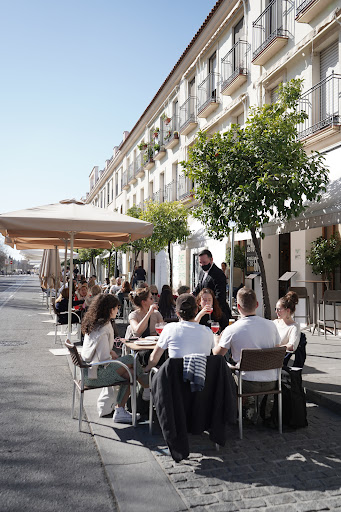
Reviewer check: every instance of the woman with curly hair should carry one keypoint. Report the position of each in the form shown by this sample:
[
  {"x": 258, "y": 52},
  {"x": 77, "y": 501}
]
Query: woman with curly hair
[
  {"x": 208, "y": 303},
  {"x": 98, "y": 346}
]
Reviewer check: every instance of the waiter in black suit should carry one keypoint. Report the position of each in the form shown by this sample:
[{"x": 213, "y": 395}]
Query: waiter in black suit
[{"x": 214, "y": 278}]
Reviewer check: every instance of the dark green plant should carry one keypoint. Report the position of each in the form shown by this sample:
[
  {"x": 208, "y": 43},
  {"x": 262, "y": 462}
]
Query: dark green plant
[
  {"x": 325, "y": 255},
  {"x": 255, "y": 174},
  {"x": 239, "y": 257}
]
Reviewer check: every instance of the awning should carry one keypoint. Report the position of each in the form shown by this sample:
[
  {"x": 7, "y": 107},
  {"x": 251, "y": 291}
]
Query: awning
[{"x": 325, "y": 212}]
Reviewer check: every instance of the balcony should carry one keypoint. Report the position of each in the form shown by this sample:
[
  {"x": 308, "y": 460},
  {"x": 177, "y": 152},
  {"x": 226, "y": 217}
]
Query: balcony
[
  {"x": 171, "y": 134},
  {"x": 139, "y": 164},
  {"x": 125, "y": 185},
  {"x": 234, "y": 68},
  {"x": 184, "y": 189},
  {"x": 157, "y": 196},
  {"x": 169, "y": 192},
  {"x": 322, "y": 104},
  {"x": 148, "y": 157},
  {"x": 131, "y": 174},
  {"x": 188, "y": 116},
  {"x": 308, "y": 10},
  {"x": 207, "y": 95},
  {"x": 270, "y": 32}
]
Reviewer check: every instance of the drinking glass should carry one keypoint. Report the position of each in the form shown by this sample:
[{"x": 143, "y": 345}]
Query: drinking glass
[
  {"x": 159, "y": 327},
  {"x": 215, "y": 327}
]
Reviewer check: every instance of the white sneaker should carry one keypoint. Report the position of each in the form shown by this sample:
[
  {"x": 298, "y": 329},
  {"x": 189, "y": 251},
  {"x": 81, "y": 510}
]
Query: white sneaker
[
  {"x": 121, "y": 415},
  {"x": 146, "y": 394}
]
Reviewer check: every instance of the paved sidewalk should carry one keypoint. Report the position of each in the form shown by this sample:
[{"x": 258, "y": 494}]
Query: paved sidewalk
[{"x": 298, "y": 471}]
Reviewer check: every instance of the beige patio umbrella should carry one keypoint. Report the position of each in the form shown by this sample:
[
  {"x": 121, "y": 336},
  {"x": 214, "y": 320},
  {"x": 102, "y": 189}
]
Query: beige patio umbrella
[
  {"x": 51, "y": 269},
  {"x": 71, "y": 221}
]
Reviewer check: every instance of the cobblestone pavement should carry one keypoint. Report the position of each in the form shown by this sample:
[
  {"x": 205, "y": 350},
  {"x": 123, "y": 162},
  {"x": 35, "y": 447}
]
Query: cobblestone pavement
[{"x": 298, "y": 471}]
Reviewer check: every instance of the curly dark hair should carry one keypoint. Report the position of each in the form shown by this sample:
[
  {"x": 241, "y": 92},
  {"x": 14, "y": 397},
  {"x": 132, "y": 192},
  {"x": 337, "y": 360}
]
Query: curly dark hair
[
  {"x": 217, "y": 312},
  {"x": 99, "y": 312}
]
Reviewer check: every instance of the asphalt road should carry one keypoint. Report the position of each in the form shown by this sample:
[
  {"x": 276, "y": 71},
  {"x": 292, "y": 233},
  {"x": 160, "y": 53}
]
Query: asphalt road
[{"x": 45, "y": 465}]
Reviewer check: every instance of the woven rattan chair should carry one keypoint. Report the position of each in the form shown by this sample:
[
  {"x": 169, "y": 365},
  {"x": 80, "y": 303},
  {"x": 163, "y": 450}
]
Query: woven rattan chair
[
  {"x": 79, "y": 382},
  {"x": 260, "y": 359}
]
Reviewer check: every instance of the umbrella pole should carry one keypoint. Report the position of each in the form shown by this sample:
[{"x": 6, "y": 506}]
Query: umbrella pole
[
  {"x": 56, "y": 273},
  {"x": 65, "y": 256},
  {"x": 231, "y": 269},
  {"x": 69, "y": 326}
]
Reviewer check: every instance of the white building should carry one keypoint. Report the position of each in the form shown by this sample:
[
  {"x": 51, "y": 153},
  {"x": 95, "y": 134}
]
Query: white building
[{"x": 240, "y": 54}]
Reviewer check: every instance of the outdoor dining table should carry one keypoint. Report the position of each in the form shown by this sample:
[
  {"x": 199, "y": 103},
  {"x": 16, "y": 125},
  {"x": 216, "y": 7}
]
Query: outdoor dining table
[
  {"x": 315, "y": 283},
  {"x": 135, "y": 348}
]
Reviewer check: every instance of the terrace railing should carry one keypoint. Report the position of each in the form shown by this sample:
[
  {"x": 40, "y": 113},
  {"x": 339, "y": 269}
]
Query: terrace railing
[{"x": 322, "y": 105}]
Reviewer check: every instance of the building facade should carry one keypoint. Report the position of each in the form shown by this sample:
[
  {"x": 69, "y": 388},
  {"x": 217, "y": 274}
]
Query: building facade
[{"x": 240, "y": 54}]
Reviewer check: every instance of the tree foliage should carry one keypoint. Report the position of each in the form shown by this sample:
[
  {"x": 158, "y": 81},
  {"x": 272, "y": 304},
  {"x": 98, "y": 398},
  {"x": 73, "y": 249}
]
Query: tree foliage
[
  {"x": 170, "y": 220},
  {"x": 89, "y": 255},
  {"x": 255, "y": 174},
  {"x": 325, "y": 255}
]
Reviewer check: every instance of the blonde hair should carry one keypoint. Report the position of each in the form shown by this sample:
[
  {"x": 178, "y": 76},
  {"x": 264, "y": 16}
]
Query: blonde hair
[
  {"x": 138, "y": 296},
  {"x": 289, "y": 301}
]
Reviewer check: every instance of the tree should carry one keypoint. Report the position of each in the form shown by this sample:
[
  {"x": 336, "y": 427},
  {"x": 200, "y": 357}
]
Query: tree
[
  {"x": 136, "y": 246},
  {"x": 325, "y": 255},
  {"x": 253, "y": 174},
  {"x": 170, "y": 221},
  {"x": 3, "y": 257},
  {"x": 89, "y": 255}
]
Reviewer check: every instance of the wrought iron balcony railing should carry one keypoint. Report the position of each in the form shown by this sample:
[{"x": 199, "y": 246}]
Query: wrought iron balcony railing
[
  {"x": 188, "y": 113},
  {"x": 271, "y": 24},
  {"x": 208, "y": 92},
  {"x": 183, "y": 187},
  {"x": 322, "y": 105},
  {"x": 169, "y": 192},
  {"x": 234, "y": 63},
  {"x": 131, "y": 172},
  {"x": 124, "y": 179}
]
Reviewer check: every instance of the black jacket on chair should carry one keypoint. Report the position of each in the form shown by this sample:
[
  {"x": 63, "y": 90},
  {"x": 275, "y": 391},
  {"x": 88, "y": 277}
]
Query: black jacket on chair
[{"x": 180, "y": 411}]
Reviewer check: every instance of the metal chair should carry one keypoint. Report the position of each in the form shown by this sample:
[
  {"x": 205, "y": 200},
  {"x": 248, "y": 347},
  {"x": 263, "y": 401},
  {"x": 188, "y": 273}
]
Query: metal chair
[
  {"x": 302, "y": 293},
  {"x": 58, "y": 323},
  {"x": 79, "y": 383},
  {"x": 330, "y": 298},
  {"x": 260, "y": 359}
]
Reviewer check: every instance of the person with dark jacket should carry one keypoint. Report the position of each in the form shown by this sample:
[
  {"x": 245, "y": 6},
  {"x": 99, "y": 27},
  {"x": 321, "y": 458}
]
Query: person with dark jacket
[
  {"x": 62, "y": 306},
  {"x": 214, "y": 278}
]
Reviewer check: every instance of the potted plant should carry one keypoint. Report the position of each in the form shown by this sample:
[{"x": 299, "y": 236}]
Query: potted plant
[
  {"x": 165, "y": 118},
  {"x": 157, "y": 147},
  {"x": 142, "y": 145},
  {"x": 325, "y": 256},
  {"x": 156, "y": 132},
  {"x": 176, "y": 135}
]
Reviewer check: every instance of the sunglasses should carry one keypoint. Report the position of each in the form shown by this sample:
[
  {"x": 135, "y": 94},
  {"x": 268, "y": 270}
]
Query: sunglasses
[{"x": 154, "y": 293}]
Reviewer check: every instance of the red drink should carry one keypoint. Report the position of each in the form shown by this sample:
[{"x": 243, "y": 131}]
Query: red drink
[
  {"x": 159, "y": 329},
  {"x": 215, "y": 328}
]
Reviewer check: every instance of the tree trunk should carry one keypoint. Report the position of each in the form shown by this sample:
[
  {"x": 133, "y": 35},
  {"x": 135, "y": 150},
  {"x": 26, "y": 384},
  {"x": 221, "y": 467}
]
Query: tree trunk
[
  {"x": 264, "y": 285},
  {"x": 170, "y": 267},
  {"x": 109, "y": 262}
]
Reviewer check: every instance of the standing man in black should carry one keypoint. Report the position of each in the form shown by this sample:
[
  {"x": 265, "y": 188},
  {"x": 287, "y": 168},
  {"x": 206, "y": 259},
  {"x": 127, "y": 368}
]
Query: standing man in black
[{"x": 214, "y": 278}]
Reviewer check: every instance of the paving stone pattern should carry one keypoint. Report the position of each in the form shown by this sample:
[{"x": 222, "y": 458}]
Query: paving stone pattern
[{"x": 299, "y": 471}]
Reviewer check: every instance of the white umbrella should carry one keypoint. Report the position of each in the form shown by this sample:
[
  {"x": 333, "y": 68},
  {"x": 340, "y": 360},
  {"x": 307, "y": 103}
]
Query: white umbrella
[{"x": 74, "y": 221}]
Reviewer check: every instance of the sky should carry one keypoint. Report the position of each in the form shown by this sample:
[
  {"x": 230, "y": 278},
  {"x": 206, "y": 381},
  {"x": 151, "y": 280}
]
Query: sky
[{"x": 75, "y": 75}]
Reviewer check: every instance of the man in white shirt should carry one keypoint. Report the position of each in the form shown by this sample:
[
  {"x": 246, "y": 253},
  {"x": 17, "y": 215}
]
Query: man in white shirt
[{"x": 251, "y": 331}]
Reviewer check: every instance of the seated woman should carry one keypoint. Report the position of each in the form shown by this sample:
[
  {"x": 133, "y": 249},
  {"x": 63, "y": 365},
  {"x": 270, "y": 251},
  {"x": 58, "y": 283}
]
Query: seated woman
[
  {"x": 206, "y": 301},
  {"x": 62, "y": 306},
  {"x": 289, "y": 330},
  {"x": 123, "y": 293},
  {"x": 184, "y": 337},
  {"x": 95, "y": 290},
  {"x": 81, "y": 294},
  {"x": 154, "y": 292},
  {"x": 167, "y": 304},
  {"x": 142, "y": 321},
  {"x": 98, "y": 346}
]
